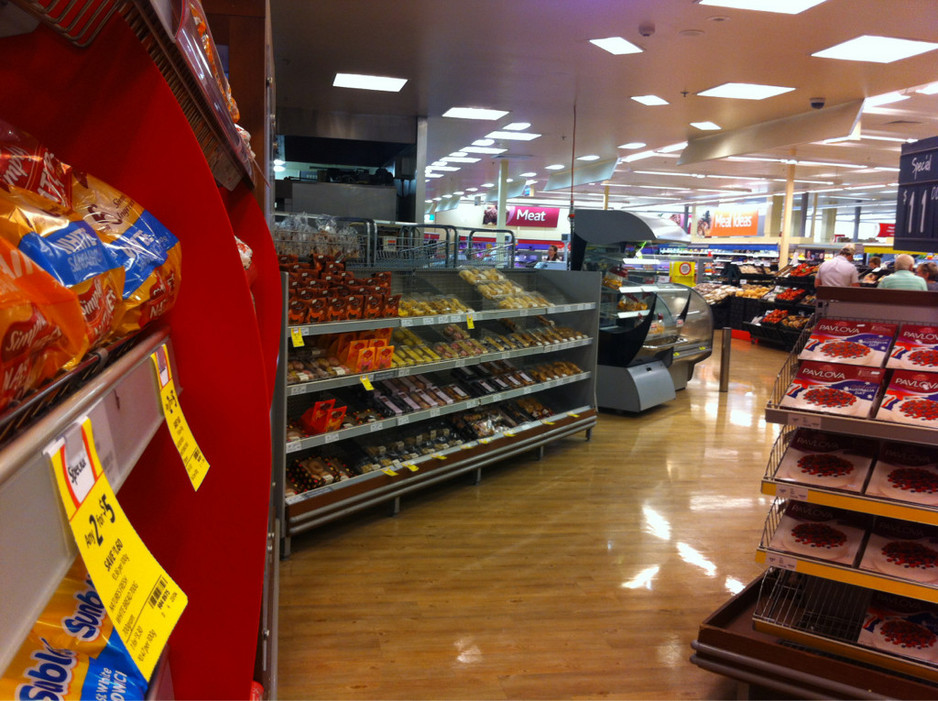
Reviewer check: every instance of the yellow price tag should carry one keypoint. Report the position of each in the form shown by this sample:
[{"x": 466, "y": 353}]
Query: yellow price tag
[
  {"x": 192, "y": 458},
  {"x": 509, "y": 434},
  {"x": 573, "y": 414},
  {"x": 470, "y": 321},
  {"x": 143, "y": 601},
  {"x": 366, "y": 383},
  {"x": 547, "y": 423},
  {"x": 439, "y": 456},
  {"x": 389, "y": 472},
  {"x": 296, "y": 334},
  {"x": 412, "y": 467}
]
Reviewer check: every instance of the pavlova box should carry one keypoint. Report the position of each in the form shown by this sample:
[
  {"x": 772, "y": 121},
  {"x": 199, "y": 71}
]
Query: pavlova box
[
  {"x": 848, "y": 390},
  {"x": 849, "y": 342},
  {"x": 906, "y": 472},
  {"x": 916, "y": 348},
  {"x": 821, "y": 532},
  {"x": 911, "y": 398},
  {"x": 901, "y": 626},
  {"x": 902, "y": 549},
  {"x": 827, "y": 460}
]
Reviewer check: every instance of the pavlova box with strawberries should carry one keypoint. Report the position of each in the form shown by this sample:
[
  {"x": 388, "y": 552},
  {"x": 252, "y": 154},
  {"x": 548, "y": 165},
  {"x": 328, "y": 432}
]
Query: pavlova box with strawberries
[
  {"x": 827, "y": 460},
  {"x": 906, "y": 472},
  {"x": 822, "y": 532},
  {"x": 901, "y": 626},
  {"x": 849, "y": 342},
  {"x": 911, "y": 398},
  {"x": 916, "y": 348},
  {"x": 902, "y": 549},
  {"x": 847, "y": 390}
]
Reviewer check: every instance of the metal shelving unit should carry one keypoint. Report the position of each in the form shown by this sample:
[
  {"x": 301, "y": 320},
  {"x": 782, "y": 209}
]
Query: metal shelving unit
[
  {"x": 575, "y": 295},
  {"x": 123, "y": 403}
]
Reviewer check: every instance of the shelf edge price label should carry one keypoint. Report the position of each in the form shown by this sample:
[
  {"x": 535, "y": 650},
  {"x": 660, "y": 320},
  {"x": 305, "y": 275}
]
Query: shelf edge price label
[
  {"x": 787, "y": 491},
  {"x": 470, "y": 321},
  {"x": 296, "y": 337},
  {"x": 389, "y": 472},
  {"x": 188, "y": 448},
  {"x": 366, "y": 383},
  {"x": 410, "y": 466},
  {"x": 142, "y": 600},
  {"x": 783, "y": 562}
]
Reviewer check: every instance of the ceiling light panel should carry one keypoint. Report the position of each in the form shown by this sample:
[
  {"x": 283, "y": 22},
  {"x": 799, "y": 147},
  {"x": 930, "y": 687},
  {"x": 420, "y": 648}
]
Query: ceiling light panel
[
  {"x": 876, "y": 49},
  {"x": 673, "y": 147},
  {"x": 474, "y": 113},
  {"x": 616, "y": 45},
  {"x": 787, "y": 7},
  {"x": 368, "y": 82},
  {"x": 706, "y": 126},
  {"x": 884, "y": 99},
  {"x": 512, "y": 135},
  {"x": 632, "y": 145},
  {"x": 463, "y": 159},
  {"x": 745, "y": 91},
  {"x": 590, "y": 157},
  {"x": 650, "y": 100},
  {"x": 517, "y": 126},
  {"x": 488, "y": 150},
  {"x": 555, "y": 166}
]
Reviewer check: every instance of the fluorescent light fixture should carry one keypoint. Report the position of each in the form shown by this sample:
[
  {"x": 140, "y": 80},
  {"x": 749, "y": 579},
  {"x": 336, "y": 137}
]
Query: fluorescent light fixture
[
  {"x": 464, "y": 159},
  {"x": 876, "y": 49},
  {"x": 437, "y": 199},
  {"x": 884, "y": 99},
  {"x": 616, "y": 45},
  {"x": 528, "y": 175},
  {"x": 555, "y": 166},
  {"x": 512, "y": 135},
  {"x": 517, "y": 126},
  {"x": 785, "y": 7},
  {"x": 278, "y": 168},
  {"x": 929, "y": 89},
  {"x": 590, "y": 157},
  {"x": 488, "y": 184},
  {"x": 459, "y": 192},
  {"x": 650, "y": 100},
  {"x": 279, "y": 162},
  {"x": 449, "y": 169},
  {"x": 482, "y": 142},
  {"x": 632, "y": 145},
  {"x": 706, "y": 126},
  {"x": 433, "y": 175},
  {"x": 458, "y": 154},
  {"x": 484, "y": 149},
  {"x": 438, "y": 163},
  {"x": 673, "y": 147},
  {"x": 472, "y": 189},
  {"x": 368, "y": 82},
  {"x": 509, "y": 180},
  {"x": 638, "y": 156},
  {"x": 474, "y": 113},
  {"x": 744, "y": 91}
]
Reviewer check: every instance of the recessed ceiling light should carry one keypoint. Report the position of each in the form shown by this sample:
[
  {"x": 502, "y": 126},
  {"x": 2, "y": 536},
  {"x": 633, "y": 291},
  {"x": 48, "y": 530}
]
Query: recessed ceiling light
[
  {"x": 474, "y": 113},
  {"x": 517, "y": 126},
  {"x": 929, "y": 89},
  {"x": 638, "y": 156},
  {"x": 616, "y": 45},
  {"x": 650, "y": 100},
  {"x": 457, "y": 154},
  {"x": 437, "y": 199},
  {"x": 513, "y": 135},
  {"x": 433, "y": 175},
  {"x": 590, "y": 157},
  {"x": 449, "y": 169},
  {"x": 787, "y": 7},
  {"x": 459, "y": 192},
  {"x": 488, "y": 184},
  {"x": 464, "y": 159},
  {"x": 884, "y": 99},
  {"x": 876, "y": 49},
  {"x": 528, "y": 175},
  {"x": 484, "y": 149},
  {"x": 439, "y": 163},
  {"x": 632, "y": 145},
  {"x": 555, "y": 166},
  {"x": 509, "y": 180},
  {"x": 744, "y": 91},
  {"x": 706, "y": 126},
  {"x": 472, "y": 189},
  {"x": 368, "y": 82},
  {"x": 673, "y": 147},
  {"x": 483, "y": 142}
]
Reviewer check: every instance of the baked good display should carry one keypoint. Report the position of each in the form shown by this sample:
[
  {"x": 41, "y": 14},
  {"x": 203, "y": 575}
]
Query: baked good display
[
  {"x": 902, "y": 549},
  {"x": 911, "y": 398},
  {"x": 916, "y": 348},
  {"x": 847, "y": 390},
  {"x": 827, "y": 460},
  {"x": 849, "y": 342},
  {"x": 905, "y": 472},
  {"x": 821, "y": 532},
  {"x": 901, "y": 626}
]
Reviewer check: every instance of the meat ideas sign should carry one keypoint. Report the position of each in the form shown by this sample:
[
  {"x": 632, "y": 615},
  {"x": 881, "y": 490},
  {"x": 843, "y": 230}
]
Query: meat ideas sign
[{"x": 542, "y": 217}]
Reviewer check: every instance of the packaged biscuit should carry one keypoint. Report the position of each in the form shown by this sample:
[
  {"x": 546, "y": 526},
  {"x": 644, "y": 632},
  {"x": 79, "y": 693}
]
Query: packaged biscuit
[
  {"x": 28, "y": 166},
  {"x": 63, "y": 245},
  {"x": 41, "y": 325},
  {"x": 72, "y": 651},
  {"x": 148, "y": 252}
]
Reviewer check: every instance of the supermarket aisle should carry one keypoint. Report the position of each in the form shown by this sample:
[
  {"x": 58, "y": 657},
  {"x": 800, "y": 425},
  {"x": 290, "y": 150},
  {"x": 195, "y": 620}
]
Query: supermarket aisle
[{"x": 584, "y": 575}]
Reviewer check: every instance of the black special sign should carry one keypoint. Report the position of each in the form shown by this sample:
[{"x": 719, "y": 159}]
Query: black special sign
[{"x": 917, "y": 203}]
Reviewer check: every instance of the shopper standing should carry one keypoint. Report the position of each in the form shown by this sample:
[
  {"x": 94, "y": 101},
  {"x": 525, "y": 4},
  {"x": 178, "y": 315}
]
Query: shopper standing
[
  {"x": 903, "y": 278},
  {"x": 839, "y": 271},
  {"x": 928, "y": 271}
]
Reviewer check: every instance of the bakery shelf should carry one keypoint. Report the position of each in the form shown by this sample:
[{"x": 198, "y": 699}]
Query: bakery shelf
[
  {"x": 870, "y": 428},
  {"x": 632, "y": 314},
  {"x": 317, "y": 507},
  {"x": 826, "y": 615},
  {"x": 840, "y": 499},
  {"x": 348, "y": 380},
  {"x": 417, "y": 416},
  {"x": 124, "y": 406},
  {"x": 833, "y": 571}
]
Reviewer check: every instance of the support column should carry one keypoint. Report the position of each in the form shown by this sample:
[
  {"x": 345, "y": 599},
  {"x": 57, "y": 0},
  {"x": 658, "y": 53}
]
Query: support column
[
  {"x": 605, "y": 197},
  {"x": 857, "y": 211},
  {"x": 502, "y": 208},
  {"x": 420, "y": 180},
  {"x": 786, "y": 219},
  {"x": 814, "y": 217},
  {"x": 774, "y": 224},
  {"x": 829, "y": 224}
]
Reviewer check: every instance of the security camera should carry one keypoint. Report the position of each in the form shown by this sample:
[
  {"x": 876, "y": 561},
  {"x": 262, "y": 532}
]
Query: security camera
[
  {"x": 817, "y": 102},
  {"x": 646, "y": 29}
]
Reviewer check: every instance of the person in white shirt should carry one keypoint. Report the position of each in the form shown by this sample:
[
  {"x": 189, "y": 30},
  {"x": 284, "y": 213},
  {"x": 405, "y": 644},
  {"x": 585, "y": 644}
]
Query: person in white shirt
[{"x": 839, "y": 271}]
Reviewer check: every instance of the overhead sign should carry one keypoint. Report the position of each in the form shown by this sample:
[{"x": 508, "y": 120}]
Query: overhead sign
[
  {"x": 886, "y": 230},
  {"x": 544, "y": 217},
  {"x": 734, "y": 222},
  {"x": 917, "y": 197}
]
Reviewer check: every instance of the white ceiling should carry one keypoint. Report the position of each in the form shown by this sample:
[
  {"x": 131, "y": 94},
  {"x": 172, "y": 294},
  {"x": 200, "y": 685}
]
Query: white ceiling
[{"x": 533, "y": 58}]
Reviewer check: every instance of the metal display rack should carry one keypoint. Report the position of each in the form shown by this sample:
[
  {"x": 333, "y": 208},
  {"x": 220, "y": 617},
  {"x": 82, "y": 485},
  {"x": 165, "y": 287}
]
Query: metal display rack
[
  {"x": 574, "y": 298},
  {"x": 123, "y": 403},
  {"x": 811, "y": 602}
]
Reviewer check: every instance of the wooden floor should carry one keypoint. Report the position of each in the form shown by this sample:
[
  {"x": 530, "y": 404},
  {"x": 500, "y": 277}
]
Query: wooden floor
[{"x": 584, "y": 575}]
